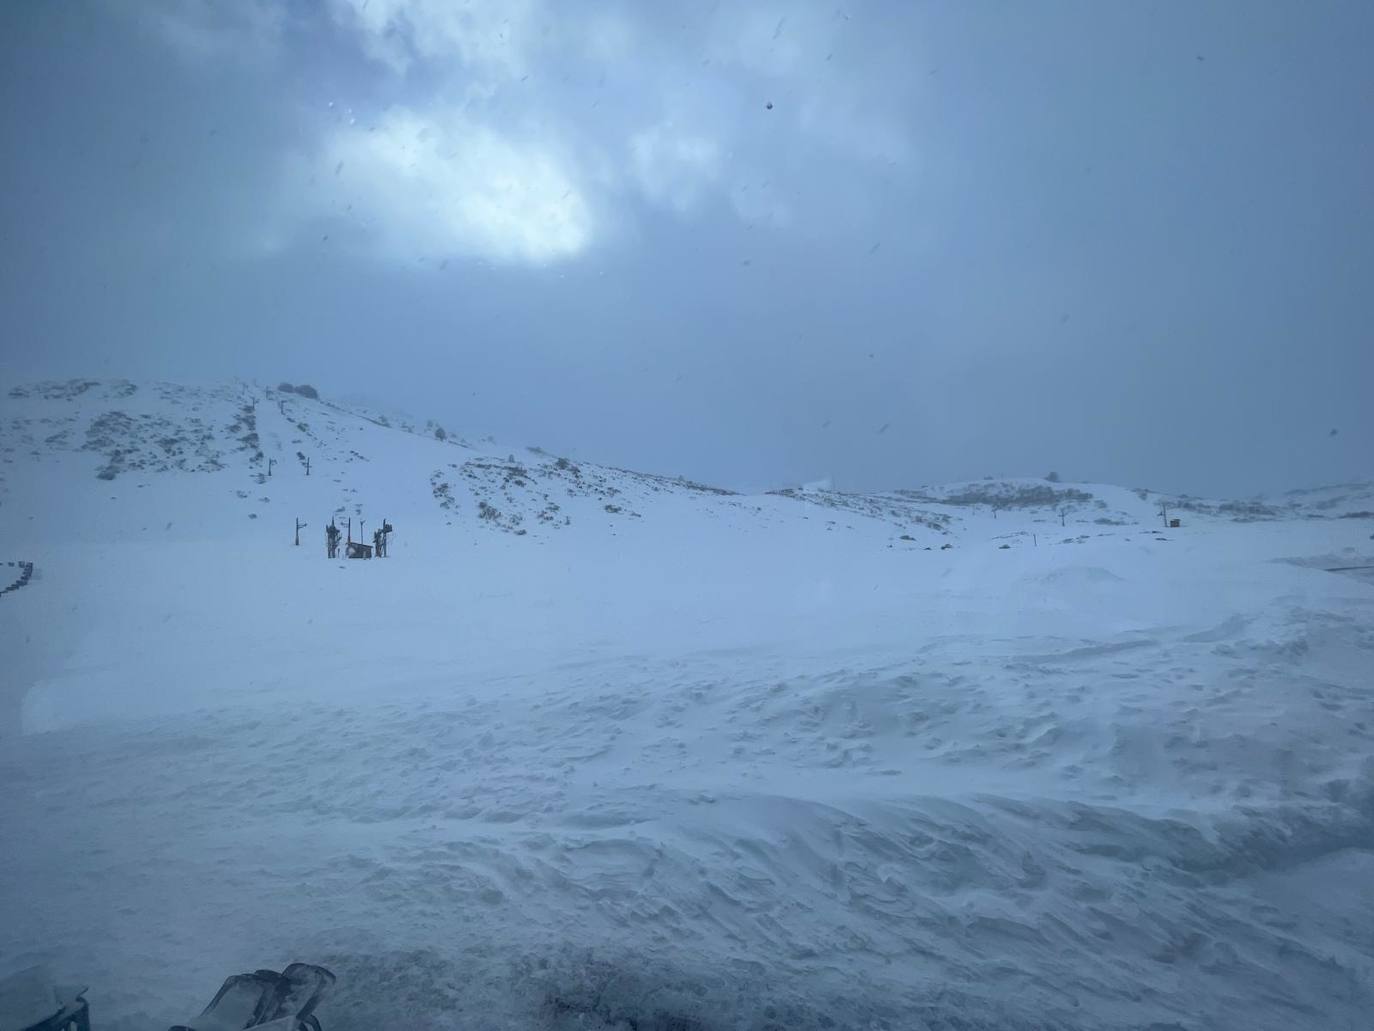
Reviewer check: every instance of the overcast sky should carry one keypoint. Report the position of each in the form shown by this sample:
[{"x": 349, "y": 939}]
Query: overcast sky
[{"x": 752, "y": 243}]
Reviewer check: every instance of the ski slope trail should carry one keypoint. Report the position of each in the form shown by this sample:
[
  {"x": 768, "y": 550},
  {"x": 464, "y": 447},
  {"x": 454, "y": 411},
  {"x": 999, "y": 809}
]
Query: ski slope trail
[{"x": 602, "y": 749}]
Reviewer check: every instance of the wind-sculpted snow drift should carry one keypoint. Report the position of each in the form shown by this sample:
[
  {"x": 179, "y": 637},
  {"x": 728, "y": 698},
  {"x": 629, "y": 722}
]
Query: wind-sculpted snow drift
[{"x": 670, "y": 758}]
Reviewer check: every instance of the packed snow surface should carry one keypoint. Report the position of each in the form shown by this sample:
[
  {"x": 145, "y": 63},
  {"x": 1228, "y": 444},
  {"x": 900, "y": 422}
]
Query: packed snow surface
[{"x": 601, "y": 749}]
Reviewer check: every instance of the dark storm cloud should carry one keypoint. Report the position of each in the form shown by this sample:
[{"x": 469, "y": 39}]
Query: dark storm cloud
[{"x": 1129, "y": 242}]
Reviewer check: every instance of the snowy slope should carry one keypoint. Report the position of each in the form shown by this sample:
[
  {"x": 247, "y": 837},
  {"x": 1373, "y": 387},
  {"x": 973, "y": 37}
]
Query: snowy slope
[{"x": 988, "y": 755}]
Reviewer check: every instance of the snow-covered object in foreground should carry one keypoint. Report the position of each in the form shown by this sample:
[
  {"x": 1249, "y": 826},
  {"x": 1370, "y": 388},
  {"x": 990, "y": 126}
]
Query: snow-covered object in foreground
[
  {"x": 266, "y": 999},
  {"x": 30, "y": 1001}
]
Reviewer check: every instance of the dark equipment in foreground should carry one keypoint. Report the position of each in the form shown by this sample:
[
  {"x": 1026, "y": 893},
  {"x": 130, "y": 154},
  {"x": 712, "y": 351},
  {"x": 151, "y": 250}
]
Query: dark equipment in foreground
[{"x": 265, "y": 999}]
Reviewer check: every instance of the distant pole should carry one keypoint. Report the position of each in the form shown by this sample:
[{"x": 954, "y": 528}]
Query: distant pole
[
  {"x": 350, "y": 529},
  {"x": 269, "y": 466},
  {"x": 299, "y": 524},
  {"x": 307, "y": 467}
]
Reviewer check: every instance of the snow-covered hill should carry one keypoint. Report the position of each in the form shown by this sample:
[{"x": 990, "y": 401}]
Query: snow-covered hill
[
  {"x": 273, "y": 454},
  {"x": 598, "y": 748}
]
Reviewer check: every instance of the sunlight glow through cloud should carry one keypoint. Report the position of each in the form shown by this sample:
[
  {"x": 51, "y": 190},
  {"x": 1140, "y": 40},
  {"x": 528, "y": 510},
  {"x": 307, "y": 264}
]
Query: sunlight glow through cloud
[
  {"x": 442, "y": 185},
  {"x": 522, "y": 131}
]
